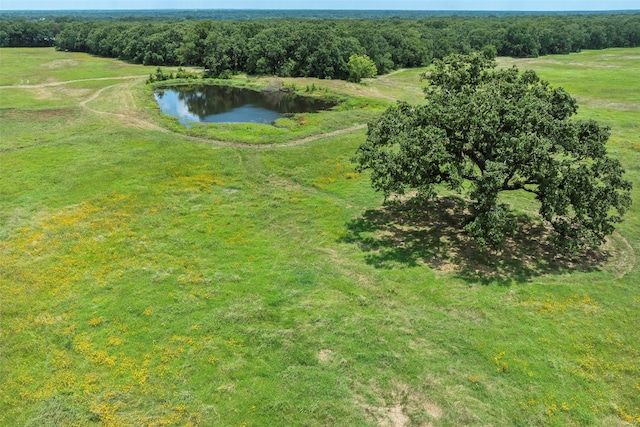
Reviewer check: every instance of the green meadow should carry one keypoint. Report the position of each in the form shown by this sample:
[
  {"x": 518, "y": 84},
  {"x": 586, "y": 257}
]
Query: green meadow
[{"x": 244, "y": 276}]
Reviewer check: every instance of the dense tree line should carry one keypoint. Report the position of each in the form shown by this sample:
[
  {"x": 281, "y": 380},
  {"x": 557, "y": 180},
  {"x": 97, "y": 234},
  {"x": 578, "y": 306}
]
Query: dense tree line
[
  {"x": 322, "y": 47},
  {"x": 21, "y": 33}
]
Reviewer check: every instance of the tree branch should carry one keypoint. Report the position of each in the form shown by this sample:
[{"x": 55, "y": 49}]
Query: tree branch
[
  {"x": 508, "y": 178},
  {"x": 475, "y": 159},
  {"x": 521, "y": 185}
]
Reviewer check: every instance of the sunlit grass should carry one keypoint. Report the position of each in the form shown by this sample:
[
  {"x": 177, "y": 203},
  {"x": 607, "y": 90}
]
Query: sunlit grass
[
  {"x": 596, "y": 77},
  {"x": 148, "y": 279},
  {"x": 30, "y": 66}
]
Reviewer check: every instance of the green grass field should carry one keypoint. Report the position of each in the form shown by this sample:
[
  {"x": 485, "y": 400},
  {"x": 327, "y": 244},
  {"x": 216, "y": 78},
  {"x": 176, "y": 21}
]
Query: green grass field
[{"x": 149, "y": 277}]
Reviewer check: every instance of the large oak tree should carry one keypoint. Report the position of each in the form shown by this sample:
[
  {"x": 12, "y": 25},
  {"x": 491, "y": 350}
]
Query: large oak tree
[{"x": 483, "y": 131}]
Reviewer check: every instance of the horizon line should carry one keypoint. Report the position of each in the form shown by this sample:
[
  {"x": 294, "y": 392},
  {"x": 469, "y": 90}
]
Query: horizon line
[{"x": 323, "y": 9}]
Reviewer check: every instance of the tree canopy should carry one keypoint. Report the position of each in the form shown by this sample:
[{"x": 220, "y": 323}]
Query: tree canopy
[
  {"x": 361, "y": 67},
  {"x": 297, "y": 47},
  {"x": 483, "y": 131}
]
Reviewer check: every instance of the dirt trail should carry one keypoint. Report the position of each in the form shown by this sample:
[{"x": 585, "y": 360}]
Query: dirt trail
[
  {"x": 143, "y": 123},
  {"x": 66, "y": 82},
  {"x": 127, "y": 119},
  {"x": 385, "y": 76}
]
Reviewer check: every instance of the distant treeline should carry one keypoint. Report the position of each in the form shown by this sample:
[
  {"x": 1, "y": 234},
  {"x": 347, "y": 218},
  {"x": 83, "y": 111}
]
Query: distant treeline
[
  {"x": 322, "y": 47},
  {"x": 255, "y": 14}
]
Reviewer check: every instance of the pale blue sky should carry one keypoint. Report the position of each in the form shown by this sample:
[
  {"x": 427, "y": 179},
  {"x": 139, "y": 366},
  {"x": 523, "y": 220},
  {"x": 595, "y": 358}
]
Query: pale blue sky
[{"x": 531, "y": 5}]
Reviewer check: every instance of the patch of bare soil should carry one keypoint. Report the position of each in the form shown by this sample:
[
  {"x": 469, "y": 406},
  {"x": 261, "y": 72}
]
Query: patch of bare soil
[
  {"x": 324, "y": 355},
  {"x": 433, "y": 410},
  {"x": 388, "y": 416},
  {"x": 42, "y": 93},
  {"x": 60, "y": 63},
  {"x": 406, "y": 404},
  {"x": 76, "y": 93}
]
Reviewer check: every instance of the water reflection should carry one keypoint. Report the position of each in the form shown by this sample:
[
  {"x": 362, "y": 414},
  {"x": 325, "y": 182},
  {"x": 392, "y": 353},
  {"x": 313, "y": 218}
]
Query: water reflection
[{"x": 224, "y": 104}]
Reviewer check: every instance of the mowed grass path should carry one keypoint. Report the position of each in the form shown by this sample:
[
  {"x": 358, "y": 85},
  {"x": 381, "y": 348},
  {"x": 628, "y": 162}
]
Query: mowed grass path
[{"x": 149, "y": 279}]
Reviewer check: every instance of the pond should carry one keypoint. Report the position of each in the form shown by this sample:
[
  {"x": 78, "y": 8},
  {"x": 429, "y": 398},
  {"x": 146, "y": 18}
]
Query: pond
[{"x": 225, "y": 104}]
